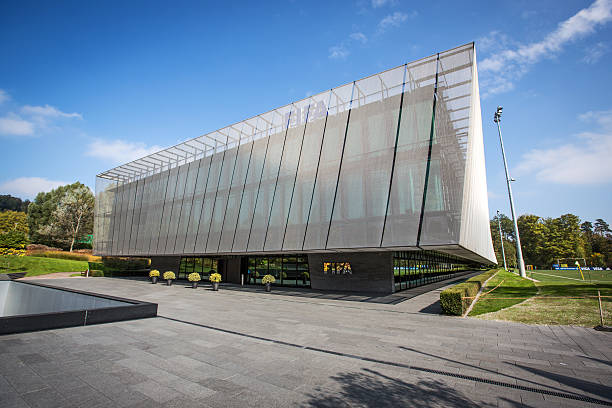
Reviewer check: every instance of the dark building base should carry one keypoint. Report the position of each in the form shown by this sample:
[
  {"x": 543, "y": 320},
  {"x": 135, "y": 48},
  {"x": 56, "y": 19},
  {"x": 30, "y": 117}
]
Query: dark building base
[
  {"x": 380, "y": 272},
  {"x": 369, "y": 272}
]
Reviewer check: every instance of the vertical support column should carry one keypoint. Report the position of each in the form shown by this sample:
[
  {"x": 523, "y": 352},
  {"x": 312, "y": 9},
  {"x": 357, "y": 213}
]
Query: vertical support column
[{"x": 431, "y": 136}]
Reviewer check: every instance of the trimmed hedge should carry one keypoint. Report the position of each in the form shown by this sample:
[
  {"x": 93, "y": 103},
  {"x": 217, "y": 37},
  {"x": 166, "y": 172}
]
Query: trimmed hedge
[
  {"x": 125, "y": 264},
  {"x": 64, "y": 255},
  {"x": 96, "y": 273},
  {"x": 451, "y": 298},
  {"x": 121, "y": 266}
]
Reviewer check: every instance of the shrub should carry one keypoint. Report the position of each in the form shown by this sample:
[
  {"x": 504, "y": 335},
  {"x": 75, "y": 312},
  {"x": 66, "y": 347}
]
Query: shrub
[
  {"x": 96, "y": 273},
  {"x": 96, "y": 265},
  {"x": 194, "y": 277},
  {"x": 13, "y": 239},
  {"x": 268, "y": 279},
  {"x": 215, "y": 277},
  {"x": 41, "y": 247},
  {"x": 125, "y": 264},
  {"x": 64, "y": 255},
  {"x": 12, "y": 252},
  {"x": 153, "y": 273},
  {"x": 169, "y": 275},
  {"x": 452, "y": 299}
]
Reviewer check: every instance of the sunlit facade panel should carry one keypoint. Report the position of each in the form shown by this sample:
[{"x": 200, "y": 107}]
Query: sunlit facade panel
[{"x": 390, "y": 162}]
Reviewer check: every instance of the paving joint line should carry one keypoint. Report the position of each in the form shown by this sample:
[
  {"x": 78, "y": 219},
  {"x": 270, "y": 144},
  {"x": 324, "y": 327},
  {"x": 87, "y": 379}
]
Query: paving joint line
[{"x": 575, "y": 397}]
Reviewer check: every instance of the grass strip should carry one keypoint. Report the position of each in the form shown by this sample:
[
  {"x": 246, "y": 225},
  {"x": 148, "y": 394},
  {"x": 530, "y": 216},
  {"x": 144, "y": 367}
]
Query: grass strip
[
  {"x": 507, "y": 285},
  {"x": 35, "y": 266},
  {"x": 563, "y": 298}
]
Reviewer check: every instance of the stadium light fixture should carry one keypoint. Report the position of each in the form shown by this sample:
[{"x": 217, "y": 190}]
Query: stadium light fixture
[{"x": 519, "y": 252}]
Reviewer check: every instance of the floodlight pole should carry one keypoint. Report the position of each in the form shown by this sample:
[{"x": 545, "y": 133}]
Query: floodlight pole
[
  {"x": 519, "y": 252},
  {"x": 501, "y": 239}
]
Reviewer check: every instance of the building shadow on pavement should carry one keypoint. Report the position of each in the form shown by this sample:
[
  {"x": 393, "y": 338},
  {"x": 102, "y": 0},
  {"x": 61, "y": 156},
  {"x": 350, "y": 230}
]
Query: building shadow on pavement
[
  {"x": 485, "y": 371},
  {"x": 370, "y": 388},
  {"x": 591, "y": 387}
]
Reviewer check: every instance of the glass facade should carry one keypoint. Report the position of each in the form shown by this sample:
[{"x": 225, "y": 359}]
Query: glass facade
[
  {"x": 202, "y": 265},
  {"x": 288, "y": 270},
  {"x": 417, "y": 268},
  {"x": 393, "y": 161}
]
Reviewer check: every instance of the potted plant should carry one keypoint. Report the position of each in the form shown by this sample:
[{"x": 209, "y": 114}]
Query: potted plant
[
  {"x": 194, "y": 278},
  {"x": 215, "y": 278},
  {"x": 268, "y": 280},
  {"x": 169, "y": 276},
  {"x": 154, "y": 275}
]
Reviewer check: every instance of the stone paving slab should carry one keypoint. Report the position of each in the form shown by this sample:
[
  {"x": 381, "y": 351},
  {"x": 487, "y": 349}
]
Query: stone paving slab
[{"x": 248, "y": 348}]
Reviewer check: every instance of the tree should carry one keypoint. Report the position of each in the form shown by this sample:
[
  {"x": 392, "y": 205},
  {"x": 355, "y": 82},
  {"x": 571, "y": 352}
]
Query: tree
[
  {"x": 508, "y": 240},
  {"x": 73, "y": 218},
  {"x": 533, "y": 239},
  {"x": 601, "y": 227},
  {"x": 40, "y": 217},
  {"x": 544, "y": 240},
  {"x": 8, "y": 202},
  {"x": 13, "y": 229}
]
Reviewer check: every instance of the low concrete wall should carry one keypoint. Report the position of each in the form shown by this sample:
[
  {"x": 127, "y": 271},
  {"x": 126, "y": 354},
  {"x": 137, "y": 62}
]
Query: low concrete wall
[
  {"x": 19, "y": 298},
  {"x": 372, "y": 272}
]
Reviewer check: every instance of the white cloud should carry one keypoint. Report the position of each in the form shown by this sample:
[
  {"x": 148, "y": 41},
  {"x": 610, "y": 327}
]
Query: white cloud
[
  {"x": 381, "y": 3},
  {"x": 4, "y": 96},
  {"x": 586, "y": 160},
  {"x": 338, "y": 52},
  {"x": 13, "y": 125},
  {"x": 28, "y": 187},
  {"x": 120, "y": 151},
  {"x": 595, "y": 52},
  {"x": 48, "y": 111},
  {"x": 361, "y": 37},
  {"x": 510, "y": 64},
  {"x": 394, "y": 20}
]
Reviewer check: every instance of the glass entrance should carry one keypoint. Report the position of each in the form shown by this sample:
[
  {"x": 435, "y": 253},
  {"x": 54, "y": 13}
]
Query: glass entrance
[
  {"x": 289, "y": 270},
  {"x": 203, "y": 266}
]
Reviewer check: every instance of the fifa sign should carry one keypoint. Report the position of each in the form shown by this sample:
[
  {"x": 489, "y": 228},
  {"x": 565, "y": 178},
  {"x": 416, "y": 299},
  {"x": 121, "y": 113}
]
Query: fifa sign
[{"x": 298, "y": 116}]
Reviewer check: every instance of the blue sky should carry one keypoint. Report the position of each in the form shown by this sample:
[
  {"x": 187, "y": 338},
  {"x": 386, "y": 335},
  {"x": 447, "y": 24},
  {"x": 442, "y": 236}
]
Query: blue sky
[{"x": 85, "y": 86}]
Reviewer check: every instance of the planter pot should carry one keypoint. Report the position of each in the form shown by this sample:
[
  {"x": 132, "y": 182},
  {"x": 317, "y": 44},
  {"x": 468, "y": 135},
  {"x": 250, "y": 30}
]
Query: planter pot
[
  {"x": 194, "y": 285},
  {"x": 215, "y": 285},
  {"x": 268, "y": 287},
  {"x": 169, "y": 282},
  {"x": 153, "y": 279}
]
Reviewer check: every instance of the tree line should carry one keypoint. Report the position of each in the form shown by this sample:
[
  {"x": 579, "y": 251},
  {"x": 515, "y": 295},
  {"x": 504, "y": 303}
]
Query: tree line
[
  {"x": 544, "y": 240},
  {"x": 61, "y": 218}
]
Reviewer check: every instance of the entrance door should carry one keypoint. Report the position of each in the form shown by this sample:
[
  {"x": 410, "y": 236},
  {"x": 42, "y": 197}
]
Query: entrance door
[{"x": 220, "y": 263}]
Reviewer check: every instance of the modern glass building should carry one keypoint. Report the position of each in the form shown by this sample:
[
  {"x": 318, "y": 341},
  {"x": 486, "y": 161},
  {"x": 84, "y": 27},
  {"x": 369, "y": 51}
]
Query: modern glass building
[{"x": 375, "y": 185}]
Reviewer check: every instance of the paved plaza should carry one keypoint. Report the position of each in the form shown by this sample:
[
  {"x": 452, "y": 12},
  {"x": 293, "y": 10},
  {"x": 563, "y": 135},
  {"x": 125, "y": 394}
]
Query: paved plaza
[{"x": 247, "y": 348}]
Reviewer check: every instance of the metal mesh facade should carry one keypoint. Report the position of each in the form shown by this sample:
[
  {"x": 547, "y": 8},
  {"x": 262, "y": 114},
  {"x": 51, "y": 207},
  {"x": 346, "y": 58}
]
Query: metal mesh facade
[{"x": 393, "y": 161}]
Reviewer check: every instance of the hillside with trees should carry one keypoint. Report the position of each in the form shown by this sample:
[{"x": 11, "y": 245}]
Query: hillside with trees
[
  {"x": 10, "y": 203},
  {"x": 61, "y": 218}
]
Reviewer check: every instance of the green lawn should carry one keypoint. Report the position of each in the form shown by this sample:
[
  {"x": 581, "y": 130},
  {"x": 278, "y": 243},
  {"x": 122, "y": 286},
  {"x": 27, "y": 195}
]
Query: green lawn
[
  {"x": 543, "y": 308},
  {"x": 512, "y": 286},
  {"x": 34, "y": 266}
]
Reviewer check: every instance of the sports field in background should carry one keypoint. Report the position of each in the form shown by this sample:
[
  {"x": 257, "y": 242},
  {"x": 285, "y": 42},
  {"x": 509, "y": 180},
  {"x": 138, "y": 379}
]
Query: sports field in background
[
  {"x": 564, "y": 276},
  {"x": 559, "y": 297}
]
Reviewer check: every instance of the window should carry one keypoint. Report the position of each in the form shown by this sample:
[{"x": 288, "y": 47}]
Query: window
[
  {"x": 290, "y": 270},
  {"x": 201, "y": 265},
  {"x": 416, "y": 268}
]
